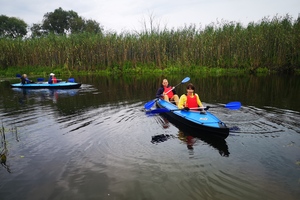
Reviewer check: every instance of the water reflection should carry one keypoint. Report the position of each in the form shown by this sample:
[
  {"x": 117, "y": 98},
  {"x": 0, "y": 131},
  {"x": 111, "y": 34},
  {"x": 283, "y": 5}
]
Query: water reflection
[
  {"x": 47, "y": 92},
  {"x": 100, "y": 137},
  {"x": 41, "y": 95},
  {"x": 190, "y": 137}
]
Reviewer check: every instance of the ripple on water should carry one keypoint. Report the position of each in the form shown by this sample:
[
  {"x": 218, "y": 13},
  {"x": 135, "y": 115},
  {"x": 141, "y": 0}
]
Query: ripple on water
[
  {"x": 252, "y": 120},
  {"x": 114, "y": 143}
]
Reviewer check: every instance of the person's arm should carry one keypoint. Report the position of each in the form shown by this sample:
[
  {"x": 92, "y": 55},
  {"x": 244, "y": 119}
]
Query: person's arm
[
  {"x": 199, "y": 101},
  {"x": 159, "y": 92},
  {"x": 27, "y": 80},
  {"x": 23, "y": 80},
  {"x": 182, "y": 101}
]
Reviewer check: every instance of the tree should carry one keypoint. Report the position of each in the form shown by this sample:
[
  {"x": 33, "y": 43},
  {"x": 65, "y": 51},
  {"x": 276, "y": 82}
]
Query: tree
[
  {"x": 38, "y": 31},
  {"x": 92, "y": 26},
  {"x": 58, "y": 22},
  {"x": 64, "y": 22},
  {"x": 12, "y": 27}
]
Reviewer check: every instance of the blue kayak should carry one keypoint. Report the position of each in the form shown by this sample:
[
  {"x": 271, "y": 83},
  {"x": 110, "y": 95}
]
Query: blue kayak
[
  {"x": 40, "y": 85},
  {"x": 192, "y": 119}
]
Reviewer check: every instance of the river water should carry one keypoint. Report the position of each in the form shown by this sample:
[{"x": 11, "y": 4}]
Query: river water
[{"x": 97, "y": 142}]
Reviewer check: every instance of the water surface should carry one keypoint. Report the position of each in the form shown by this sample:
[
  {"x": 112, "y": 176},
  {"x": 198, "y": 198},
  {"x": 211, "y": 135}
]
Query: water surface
[{"x": 97, "y": 142}]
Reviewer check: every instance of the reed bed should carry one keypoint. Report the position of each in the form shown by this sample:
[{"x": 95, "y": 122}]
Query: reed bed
[{"x": 270, "y": 44}]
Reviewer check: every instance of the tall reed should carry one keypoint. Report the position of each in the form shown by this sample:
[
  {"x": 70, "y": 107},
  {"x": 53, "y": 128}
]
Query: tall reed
[{"x": 270, "y": 43}]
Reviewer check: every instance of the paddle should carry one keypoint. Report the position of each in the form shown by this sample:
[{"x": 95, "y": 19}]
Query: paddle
[
  {"x": 232, "y": 106},
  {"x": 149, "y": 104}
]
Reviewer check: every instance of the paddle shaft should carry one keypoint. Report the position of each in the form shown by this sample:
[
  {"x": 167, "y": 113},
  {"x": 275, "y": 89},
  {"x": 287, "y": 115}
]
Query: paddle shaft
[
  {"x": 231, "y": 106},
  {"x": 169, "y": 90},
  {"x": 186, "y": 79},
  {"x": 183, "y": 81},
  {"x": 198, "y": 108},
  {"x": 149, "y": 104}
]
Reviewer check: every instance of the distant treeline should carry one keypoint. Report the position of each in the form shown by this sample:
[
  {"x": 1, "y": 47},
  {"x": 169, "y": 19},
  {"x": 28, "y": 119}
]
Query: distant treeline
[{"x": 273, "y": 44}]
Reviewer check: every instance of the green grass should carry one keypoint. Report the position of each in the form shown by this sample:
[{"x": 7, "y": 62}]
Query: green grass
[
  {"x": 199, "y": 71},
  {"x": 266, "y": 46}
]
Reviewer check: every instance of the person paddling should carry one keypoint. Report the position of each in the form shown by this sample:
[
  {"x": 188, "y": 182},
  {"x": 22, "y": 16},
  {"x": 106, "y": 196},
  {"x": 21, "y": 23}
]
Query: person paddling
[
  {"x": 25, "y": 80},
  {"x": 167, "y": 92},
  {"x": 52, "y": 79},
  {"x": 190, "y": 99}
]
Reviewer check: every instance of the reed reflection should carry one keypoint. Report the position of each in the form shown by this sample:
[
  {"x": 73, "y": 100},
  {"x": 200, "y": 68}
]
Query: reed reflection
[{"x": 4, "y": 150}]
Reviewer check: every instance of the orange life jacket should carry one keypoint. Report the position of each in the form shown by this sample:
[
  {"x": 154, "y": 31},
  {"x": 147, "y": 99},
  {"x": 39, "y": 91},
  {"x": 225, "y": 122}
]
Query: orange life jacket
[
  {"x": 191, "y": 102},
  {"x": 167, "y": 89}
]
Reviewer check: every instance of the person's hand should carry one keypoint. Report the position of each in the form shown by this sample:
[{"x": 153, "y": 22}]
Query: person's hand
[
  {"x": 203, "y": 112},
  {"x": 186, "y": 108},
  {"x": 207, "y": 107}
]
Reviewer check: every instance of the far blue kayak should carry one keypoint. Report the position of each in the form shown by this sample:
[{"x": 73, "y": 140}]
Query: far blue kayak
[
  {"x": 40, "y": 85},
  {"x": 202, "y": 123}
]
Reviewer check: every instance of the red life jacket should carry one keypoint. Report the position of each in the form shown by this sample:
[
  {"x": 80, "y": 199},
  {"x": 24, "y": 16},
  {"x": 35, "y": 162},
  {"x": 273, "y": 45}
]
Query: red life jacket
[
  {"x": 54, "y": 80},
  {"x": 191, "y": 102},
  {"x": 167, "y": 89}
]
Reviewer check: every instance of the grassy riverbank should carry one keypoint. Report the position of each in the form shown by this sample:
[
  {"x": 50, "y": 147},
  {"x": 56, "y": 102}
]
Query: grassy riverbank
[
  {"x": 266, "y": 46},
  {"x": 199, "y": 71}
]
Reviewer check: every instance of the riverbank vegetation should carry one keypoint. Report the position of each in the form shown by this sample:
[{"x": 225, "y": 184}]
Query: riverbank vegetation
[{"x": 270, "y": 45}]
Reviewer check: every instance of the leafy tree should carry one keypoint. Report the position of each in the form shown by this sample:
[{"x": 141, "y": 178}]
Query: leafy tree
[
  {"x": 37, "y": 30},
  {"x": 76, "y": 25},
  {"x": 12, "y": 27},
  {"x": 58, "y": 21},
  {"x": 92, "y": 26},
  {"x": 64, "y": 22}
]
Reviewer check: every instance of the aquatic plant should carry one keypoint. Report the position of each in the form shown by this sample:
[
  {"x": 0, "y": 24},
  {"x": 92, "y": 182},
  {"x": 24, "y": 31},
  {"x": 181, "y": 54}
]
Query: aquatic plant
[{"x": 273, "y": 44}]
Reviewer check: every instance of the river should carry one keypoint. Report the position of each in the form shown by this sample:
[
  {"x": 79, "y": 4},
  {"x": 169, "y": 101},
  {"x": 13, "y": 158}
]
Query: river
[{"x": 97, "y": 142}]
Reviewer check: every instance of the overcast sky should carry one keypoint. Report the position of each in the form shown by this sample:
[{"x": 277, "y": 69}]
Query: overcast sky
[{"x": 131, "y": 15}]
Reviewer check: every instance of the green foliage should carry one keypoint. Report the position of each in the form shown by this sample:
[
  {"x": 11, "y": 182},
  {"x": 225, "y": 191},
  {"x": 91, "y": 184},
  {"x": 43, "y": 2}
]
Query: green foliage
[
  {"x": 58, "y": 21},
  {"x": 62, "y": 22},
  {"x": 262, "y": 70},
  {"x": 12, "y": 27},
  {"x": 269, "y": 45}
]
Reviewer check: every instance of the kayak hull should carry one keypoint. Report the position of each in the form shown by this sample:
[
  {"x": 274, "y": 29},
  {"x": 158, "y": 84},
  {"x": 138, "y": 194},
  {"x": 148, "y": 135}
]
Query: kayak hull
[
  {"x": 60, "y": 85},
  {"x": 193, "y": 120}
]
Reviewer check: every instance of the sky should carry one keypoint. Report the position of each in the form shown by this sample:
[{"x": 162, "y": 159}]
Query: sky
[{"x": 133, "y": 15}]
